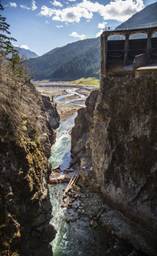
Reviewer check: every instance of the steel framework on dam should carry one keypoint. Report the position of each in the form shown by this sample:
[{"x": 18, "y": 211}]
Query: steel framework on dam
[{"x": 123, "y": 49}]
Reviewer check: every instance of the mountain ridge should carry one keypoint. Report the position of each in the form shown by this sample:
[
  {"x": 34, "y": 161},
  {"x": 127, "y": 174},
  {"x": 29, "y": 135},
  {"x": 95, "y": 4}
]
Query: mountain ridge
[
  {"x": 53, "y": 64},
  {"x": 26, "y": 53}
]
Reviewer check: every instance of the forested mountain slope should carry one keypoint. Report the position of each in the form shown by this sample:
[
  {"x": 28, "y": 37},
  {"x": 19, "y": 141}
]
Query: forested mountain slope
[{"x": 67, "y": 63}]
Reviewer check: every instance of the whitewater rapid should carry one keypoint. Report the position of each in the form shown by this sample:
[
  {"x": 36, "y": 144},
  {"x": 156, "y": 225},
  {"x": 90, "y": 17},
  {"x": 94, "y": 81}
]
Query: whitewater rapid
[
  {"x": 61, "y": 150},
  {"x": 69, "y": 235}
]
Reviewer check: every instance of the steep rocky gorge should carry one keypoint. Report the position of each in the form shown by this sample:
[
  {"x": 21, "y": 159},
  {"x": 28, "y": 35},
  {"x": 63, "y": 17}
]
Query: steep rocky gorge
[
  {"x": 112, "y": 208},
  {"x": 114, "y": 147},
  {"x": 27, "y": 123}
]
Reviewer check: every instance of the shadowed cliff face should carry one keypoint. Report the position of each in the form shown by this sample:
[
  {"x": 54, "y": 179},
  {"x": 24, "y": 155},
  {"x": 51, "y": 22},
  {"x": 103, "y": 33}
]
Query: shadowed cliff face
[
  {"x": 120, "y": 145},
  {"x": 26, "y": 135},
  {"x": 80, "y": 133}
]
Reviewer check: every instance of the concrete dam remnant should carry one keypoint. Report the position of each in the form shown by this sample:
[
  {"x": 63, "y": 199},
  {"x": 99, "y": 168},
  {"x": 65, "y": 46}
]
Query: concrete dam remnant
[{"x": 123, "y": 51}]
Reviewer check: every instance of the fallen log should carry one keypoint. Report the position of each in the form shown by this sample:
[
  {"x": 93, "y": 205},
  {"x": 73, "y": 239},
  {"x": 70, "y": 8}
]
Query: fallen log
[
  {"x": 72, "y": 182},
  {"x": 62, "y": 178}
]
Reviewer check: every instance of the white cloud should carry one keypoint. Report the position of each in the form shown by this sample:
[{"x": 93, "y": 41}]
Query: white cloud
[
  {"x": 102, "y": 25},
  {"x": 69, "y": 14},
  {"x": 24, "y": 46},
  {"x": 59, "y": 26},
  {"x": 13, "y": 4},
  {"x": 56, "y": 3},
  {"x": 77, "y": 35},
  {"x": 24, "y": 7},
  {"x": 70, "y": 1},
  {"x": 122, "y": 10},
  {"x": 34, "y": 5},
  {"x": 119, "y": 10}
]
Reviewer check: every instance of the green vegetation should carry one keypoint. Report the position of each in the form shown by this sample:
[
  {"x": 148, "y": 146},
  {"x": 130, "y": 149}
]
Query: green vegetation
[
  {"x": 5, "y": 38},
  {"x": 90, "y": 81},
  {"x": 12, "y": 65}
]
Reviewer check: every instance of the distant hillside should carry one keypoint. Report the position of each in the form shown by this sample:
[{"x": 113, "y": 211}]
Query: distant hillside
[
  {"x": 75, "y": 60},
  {"x": 26, "y": 54},
  {"x": 82, "y": 58}
]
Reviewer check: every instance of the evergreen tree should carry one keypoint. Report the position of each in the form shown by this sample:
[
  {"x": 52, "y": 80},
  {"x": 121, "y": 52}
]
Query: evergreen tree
[{"x": 5, "y": 38}]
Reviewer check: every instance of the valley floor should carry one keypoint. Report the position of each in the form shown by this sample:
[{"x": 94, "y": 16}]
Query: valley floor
[{"x": 69, "y": 97}]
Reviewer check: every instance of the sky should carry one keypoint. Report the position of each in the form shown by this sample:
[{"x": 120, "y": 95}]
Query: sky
[{"x": 42, "y": 25}]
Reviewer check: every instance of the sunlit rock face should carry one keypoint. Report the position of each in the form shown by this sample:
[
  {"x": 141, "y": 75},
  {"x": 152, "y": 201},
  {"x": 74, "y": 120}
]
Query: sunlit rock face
[
  {"x": 121, "y": 150},
  {"x": 25, "y": 141}
]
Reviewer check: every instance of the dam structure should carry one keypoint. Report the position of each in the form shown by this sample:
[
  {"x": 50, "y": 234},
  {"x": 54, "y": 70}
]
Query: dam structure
[{"x": 126, "y": 51}]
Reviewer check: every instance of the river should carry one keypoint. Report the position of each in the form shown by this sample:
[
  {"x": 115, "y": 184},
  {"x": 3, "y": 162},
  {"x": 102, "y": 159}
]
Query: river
[
  {"x": 63, "y": 243},
  {"x": 70, "y": 100},
  {"x": 74, "y": 236}
]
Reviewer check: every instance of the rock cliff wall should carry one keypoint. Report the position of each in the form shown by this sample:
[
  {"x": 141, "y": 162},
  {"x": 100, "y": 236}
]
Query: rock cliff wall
[
  {"x": 118, "y": 149},
  {"x": 26, "y": 134}
]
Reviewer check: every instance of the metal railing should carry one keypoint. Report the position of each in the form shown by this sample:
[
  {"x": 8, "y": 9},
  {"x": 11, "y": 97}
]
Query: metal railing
[{"x": 141, "y": 26}]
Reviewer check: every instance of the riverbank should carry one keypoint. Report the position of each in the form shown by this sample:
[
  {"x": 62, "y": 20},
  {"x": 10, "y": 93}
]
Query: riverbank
[{"x": 68, "y": 97}]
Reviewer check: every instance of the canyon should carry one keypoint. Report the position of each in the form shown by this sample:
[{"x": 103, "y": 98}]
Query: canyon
[
  {"x": 105, "y": 137},
  {"x": 105, "y": 140},
  {"x": 108, "y": 138},
  {"x": 78, "y": 169},
  {"x": 111, "y": 208}
]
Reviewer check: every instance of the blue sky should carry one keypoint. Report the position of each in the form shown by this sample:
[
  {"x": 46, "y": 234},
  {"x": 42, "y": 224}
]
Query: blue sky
[{"x": 42, "y": 25}]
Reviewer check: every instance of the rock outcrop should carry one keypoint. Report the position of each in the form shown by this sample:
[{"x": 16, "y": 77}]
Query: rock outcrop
[
  {"x": 80, "y": 133},
  {"x": 119, "y": 151},
  {"x": 26, "y": 135}
]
